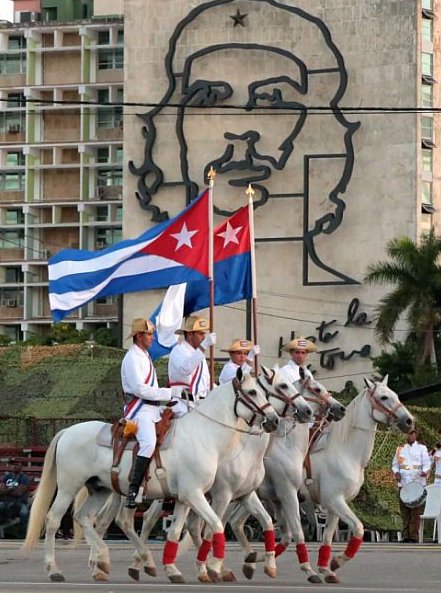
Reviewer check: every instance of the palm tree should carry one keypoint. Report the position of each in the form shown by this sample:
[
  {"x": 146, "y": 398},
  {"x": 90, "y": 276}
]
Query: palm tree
[{"x": 415, "y": 271}]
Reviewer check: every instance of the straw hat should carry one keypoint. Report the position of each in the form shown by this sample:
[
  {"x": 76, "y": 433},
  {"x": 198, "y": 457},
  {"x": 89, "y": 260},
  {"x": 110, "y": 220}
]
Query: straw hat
[
  {"x": 194, "y": 323},
  {"x": 141, "y": 326},
  {"x": 300, "y": 344},
  {"x": 239, "y": 345}
]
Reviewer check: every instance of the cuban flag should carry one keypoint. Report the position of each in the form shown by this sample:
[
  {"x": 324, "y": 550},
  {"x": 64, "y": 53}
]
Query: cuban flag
[
  {"x": 232, "y": 282},
  {"x": 172, "y": 252}
]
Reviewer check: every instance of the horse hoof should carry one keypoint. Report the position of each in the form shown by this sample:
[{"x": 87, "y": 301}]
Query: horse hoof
[
  {"x": 228, "y": 577},
  {"x": 251, "y": 558},
  {"x": 314, "y": 578},
  {"x": 214, "y": 576},
  {"x": 248, "y": 571},
  {"x": 100, "y": 577},
  {"x": 204, "y": 578},
  {"x": 176, "y": 578},
  {"x": 335, "y": 565},
  {"x": 270, "y": 571},
  {"x": 150, "y": 570},
  {"x": 134, "y": 574},
  {"x": 332, "y": 578},
  {"x": 57, "y": 577},
  {"x": 104, "y": 567}
]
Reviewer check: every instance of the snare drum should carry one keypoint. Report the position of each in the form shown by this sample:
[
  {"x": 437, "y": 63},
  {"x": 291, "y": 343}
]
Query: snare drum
[{"x": 413, "y": 494}]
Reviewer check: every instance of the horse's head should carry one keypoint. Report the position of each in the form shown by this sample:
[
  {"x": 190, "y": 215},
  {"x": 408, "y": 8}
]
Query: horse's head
[
  {"x": 251, "y": 403},
  {"x": 386, "y": 405},
  {"x": 322, "y": 402},
  {"x": 283, "y": 395}
]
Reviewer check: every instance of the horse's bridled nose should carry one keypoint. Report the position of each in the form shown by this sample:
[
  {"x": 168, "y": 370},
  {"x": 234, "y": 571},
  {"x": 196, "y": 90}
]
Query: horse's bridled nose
[{"x": 308, "y": 412}]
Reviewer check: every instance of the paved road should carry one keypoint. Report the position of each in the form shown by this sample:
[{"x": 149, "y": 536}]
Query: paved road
[{"x": 400, "y": 568}]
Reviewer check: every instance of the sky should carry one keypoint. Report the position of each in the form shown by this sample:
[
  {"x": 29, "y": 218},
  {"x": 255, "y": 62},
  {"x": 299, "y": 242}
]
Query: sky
[{"x": 6, "y": 10}]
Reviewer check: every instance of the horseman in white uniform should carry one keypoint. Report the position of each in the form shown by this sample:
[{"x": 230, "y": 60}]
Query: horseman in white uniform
[
  {"x": 143, "y": 399},
  {"x": 411, "y": 463},
  {"x": 187, "y": 366},
  {"x": 242, "y": 354},
  {"x": 298, "y": 349}
]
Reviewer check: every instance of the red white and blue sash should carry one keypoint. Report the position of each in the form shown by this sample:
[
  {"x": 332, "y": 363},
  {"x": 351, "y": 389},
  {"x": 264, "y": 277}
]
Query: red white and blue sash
[{"x": 132, "y": 409}]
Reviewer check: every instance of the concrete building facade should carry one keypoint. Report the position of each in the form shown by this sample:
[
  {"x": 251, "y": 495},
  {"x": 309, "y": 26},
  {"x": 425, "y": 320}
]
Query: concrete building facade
[
  {"x": 333, "y": 185},
  {"x": 60, "y": 159}
]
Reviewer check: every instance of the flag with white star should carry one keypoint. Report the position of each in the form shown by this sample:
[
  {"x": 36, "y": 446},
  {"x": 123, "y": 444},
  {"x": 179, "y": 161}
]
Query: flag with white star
[
  {"x": 232, "y": 282},
  {"x": 170, "y": 253}
]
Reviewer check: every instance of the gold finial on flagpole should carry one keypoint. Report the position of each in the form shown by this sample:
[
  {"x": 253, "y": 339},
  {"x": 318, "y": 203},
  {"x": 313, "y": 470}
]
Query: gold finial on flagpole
[
  {"x": 211, "y": 176},
  {"x": 250, "y": 192}
]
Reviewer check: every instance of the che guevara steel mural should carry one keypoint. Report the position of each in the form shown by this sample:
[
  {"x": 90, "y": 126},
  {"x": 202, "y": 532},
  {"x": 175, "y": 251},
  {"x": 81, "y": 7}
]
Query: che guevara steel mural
[{"x": 302, "y": 69}]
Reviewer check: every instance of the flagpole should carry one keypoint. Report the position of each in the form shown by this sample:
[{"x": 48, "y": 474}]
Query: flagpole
[
  {"x": 211, "y": 177},
  {"x": 250, "y": 193}
]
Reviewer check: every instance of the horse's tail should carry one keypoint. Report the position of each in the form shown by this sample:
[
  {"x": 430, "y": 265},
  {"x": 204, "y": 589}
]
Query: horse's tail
[
  {"x": 77, "y": 529},
  {"x": 43, "y": 496}
]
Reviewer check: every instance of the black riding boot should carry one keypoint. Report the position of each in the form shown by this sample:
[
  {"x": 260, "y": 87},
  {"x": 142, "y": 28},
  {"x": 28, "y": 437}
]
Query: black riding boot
[{"x": 141, "y": 465}]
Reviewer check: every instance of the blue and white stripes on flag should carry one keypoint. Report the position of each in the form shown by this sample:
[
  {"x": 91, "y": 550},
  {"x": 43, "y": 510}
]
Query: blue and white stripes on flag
[{"x": 172, "y": 252}]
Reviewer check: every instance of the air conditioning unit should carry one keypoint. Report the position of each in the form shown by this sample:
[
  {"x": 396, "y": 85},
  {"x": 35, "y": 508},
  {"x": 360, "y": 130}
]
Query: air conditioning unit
[
  {"x": 13, "y": 128},
  {"x": 10, "y": 303}
]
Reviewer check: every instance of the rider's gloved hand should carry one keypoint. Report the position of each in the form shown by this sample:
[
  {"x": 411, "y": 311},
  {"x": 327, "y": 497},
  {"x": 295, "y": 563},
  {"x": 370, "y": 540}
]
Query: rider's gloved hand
[
  {"x": 255, "y": 351},
  {"x": 209, "y": 340}
]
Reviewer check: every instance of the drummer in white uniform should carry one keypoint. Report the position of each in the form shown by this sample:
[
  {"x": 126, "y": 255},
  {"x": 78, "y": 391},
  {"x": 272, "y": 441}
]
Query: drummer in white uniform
[
  {"x": 187, "y": 366},
  {"x": 242, "y": 354},
  {"x": 411, "y": 465}
]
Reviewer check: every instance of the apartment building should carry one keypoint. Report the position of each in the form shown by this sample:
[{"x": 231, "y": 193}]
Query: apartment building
[{"x": 60, "y": 157}]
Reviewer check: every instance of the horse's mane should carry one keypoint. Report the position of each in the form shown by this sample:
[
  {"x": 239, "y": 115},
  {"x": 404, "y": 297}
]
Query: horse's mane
[{"x": 340, "y": 430}]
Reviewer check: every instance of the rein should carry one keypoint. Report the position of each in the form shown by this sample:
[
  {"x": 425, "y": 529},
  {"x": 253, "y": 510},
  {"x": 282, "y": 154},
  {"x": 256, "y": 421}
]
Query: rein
[
  {"x": 376, "y": 405},
  {"x": 258, "y": 433},
  {"x": 243, "y": 398}
]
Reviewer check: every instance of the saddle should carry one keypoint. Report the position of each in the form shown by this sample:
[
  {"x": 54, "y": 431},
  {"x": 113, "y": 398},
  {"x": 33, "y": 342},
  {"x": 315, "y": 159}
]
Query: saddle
[{"x": 123, "y": 436}]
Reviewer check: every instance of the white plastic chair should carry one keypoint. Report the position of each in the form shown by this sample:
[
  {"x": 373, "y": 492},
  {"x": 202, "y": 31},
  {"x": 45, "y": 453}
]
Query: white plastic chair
[{"x": 432, "y": 511}]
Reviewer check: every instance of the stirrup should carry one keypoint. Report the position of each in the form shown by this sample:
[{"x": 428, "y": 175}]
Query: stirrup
[{"x": 130, "y": 501}]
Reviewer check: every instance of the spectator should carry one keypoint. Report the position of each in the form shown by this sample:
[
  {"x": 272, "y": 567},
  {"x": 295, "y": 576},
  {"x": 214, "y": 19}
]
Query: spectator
[
  {"x": 14, "y": 495},
  {"x": 411, "y": 463}
]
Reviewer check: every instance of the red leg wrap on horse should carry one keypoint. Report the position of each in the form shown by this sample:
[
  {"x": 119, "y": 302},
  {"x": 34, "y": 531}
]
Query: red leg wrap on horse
[
  {"x": 302, "y": 553},
  {"x": 324, "y": 556},
  {"x": 270, "y": 540},
  {"x": 353, "y": 546},
  {"x": 219, "y": 545},
  {"x": 280, "y": 548},
  {"x": 170, "y": 551},
  {"x": 204, "y": 550}
]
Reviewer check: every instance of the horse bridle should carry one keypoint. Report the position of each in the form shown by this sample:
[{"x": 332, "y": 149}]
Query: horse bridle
[
  {"x": 278, "y": 394},
  {"x": 245, "y": 399},
  {"x": 377, "y": 405},
  {"x": 324, "y": 399}
]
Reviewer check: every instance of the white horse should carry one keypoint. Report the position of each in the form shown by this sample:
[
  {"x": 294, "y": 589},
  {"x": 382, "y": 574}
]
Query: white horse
[
  {"x": 284, "y": 465},
  {"x": 232, "y": 480},
  {"x": 337, "y": 473},
  {"x": 237, "y": 477},
  {"x": 200, "y": 443}
]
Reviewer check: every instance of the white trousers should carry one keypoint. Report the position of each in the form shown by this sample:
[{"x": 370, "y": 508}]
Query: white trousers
[{"x": 145, "y": 435}]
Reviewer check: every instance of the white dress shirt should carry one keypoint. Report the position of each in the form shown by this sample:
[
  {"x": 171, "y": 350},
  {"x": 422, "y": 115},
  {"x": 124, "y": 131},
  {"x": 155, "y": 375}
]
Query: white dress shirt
[
  {"x": 409, "y": 461},
  {"x": 188, "y": 368},
  {"x": 230, "y": 369}
]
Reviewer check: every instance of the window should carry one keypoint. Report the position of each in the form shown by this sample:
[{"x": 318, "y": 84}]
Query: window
[
  {"x": 111, "y": 59},
  {"x": 427, "y": 29},
  {"x": 12, "y": 239},
  {"x": 14, "y": 216},
  {"x": 102, "y": 155},
  {"x": 427, "y": 95},
  {"x": 120, "y": 37},
  {"x": 16, "y": 100},
  {"x": 11, "y": 297},
  {"x": 12, "y": 63},
  {"x": 426, "y": 191},
  {"x": 427, "y": 64},
  {"x": 426, "y": 127},
  {"x": 119, "y": 213},
  {"x": 108, "y": 116},
  {"x": 13, "y": 275},
  {"x": 12, "y": 181},
  {"x": 119, "y": 154},
  {"x": 103, "y": 37},
  {"x": 15, "y": 159},
  {"x": 50, "y": 13},
  {"x": 17, "y": 42},
  {"x": 102, "y": 213},
  {"x": 11, "y": 122},
  {"x": 427, "y": 4},
  {"x": 107, "y": 236},
  {"x": 109, "y": 177},
  {"x": 110, "y": 300},
  {"x": 427, "y": 159}
]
